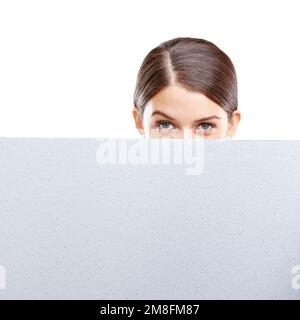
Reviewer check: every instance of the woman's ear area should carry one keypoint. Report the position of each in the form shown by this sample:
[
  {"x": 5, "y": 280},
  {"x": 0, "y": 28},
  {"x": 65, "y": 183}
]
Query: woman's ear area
[
  {"x": 233, "y": 123},
  {"x": 138, "y": 120}
]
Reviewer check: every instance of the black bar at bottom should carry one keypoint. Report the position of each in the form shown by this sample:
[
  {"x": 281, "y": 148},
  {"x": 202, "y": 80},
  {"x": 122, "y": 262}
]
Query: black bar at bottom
[{"x": 136, "y": 309}]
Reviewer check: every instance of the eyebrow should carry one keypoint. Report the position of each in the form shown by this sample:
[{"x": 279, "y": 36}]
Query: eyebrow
[
  {"x": 169, "y": 117},
  {"x": 162, "y": 114}
]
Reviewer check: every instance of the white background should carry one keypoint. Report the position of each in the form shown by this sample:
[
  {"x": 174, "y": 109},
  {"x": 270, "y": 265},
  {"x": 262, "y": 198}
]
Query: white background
[{"x": 68, "y": 68}]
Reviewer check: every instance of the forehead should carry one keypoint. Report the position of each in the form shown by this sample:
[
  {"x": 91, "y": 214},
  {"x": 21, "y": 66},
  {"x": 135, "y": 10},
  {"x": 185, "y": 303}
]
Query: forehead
[{"x": 177, "y": 102}]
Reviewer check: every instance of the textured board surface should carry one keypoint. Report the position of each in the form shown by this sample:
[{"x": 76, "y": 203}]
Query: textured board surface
[{"x": 73, "y": 229}]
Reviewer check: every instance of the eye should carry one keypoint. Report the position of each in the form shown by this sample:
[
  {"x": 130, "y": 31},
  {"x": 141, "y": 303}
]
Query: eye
[
  {"x": 165, "y": 125},
  {"x": 206, "y": 126}
]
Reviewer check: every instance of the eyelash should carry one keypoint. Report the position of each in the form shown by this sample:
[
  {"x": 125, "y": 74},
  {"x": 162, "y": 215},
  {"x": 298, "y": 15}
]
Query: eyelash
[{"x": 212, "y": 125}]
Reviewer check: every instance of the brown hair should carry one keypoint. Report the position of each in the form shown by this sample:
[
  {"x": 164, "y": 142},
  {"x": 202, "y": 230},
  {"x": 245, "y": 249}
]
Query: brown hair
[{"x": 197, "y": 65}]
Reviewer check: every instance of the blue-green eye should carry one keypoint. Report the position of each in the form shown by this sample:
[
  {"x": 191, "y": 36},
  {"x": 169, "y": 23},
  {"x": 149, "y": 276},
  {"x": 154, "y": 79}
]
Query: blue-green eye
[
  {"x": 165, "y": 125},
  {"x": 205, "y": 126}
]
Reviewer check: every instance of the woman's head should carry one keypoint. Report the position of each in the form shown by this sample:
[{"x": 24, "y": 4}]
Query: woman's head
[{"x": 186, "y": 85}]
